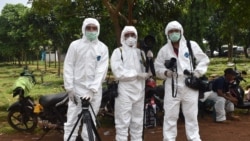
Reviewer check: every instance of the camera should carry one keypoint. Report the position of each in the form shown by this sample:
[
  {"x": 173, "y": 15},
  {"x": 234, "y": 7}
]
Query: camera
[
  {"x": 171, "y": 64},
  {"x": 85, "y": 103},
  {"x": 195, "y": 83}
]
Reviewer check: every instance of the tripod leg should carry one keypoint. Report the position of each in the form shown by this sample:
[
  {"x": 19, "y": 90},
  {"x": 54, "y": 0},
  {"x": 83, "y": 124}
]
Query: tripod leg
[
  {"x": 87, "y": 121},
  {"x": 79, "y": 117}
]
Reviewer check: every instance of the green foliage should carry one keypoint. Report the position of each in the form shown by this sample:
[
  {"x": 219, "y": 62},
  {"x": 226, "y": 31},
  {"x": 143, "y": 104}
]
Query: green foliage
[{"x": 59, "y": 21}]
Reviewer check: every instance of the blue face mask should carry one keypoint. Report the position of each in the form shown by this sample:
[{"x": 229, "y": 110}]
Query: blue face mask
[
  {"x": 175, "y": 36},
  {"x": 91, "y": 35}
]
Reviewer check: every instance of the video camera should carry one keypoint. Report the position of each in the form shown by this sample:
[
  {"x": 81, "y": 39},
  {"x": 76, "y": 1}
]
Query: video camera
[
  {"x": 171, "y": 64},
  {"x": 201, "y": 84},
  {"x": 85, "y": 103},
  {"x": 194, "y": 82}
]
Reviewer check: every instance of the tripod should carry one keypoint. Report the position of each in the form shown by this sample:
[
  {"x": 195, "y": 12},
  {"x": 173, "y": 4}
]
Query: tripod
[{"x": 87, "y": 119}]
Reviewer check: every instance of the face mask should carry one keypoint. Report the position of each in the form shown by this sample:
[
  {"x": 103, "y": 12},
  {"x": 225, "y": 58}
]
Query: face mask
[
  {"x": 175, "y": 36},
  {"x": 91, "y": 35},
  {"x": 130, "y": 41}
]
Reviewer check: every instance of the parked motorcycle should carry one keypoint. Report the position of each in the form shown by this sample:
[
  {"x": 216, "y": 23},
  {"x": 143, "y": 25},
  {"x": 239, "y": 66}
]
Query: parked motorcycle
[
  {"x": 153, "y": 108},
  {"x": 108, "y": 99},
  {"x": 25, "y": 114},
  {"x": 153, "y": 102},
  {"x": 238, "y": 92}
]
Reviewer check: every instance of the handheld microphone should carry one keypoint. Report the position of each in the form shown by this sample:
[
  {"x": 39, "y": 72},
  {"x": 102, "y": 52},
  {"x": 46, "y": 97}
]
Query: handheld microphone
[
  {"x": 172, "y": 61},
  {"x": 187, "y": 72}
]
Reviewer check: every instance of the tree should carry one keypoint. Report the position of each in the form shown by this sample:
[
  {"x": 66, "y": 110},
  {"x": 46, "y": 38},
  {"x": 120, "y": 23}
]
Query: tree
[{"x": 15, "y": 42}]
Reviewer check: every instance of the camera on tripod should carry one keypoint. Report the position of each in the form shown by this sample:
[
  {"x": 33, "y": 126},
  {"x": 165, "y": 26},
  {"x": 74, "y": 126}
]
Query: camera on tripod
[
  {"x": 171, "y": 64},
  {"x": 86, "y": 118},
  {"x": 85, "y": 103}
]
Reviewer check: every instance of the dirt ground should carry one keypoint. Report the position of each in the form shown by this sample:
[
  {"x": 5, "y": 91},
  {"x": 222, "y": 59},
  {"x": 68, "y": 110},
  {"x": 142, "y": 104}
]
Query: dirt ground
[{"x": 209, "y": 131}]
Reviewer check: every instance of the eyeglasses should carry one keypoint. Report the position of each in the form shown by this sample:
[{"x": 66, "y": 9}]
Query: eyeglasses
[
  {"x": 91, "y": 28},
  {"x": 131, "y": 34}
]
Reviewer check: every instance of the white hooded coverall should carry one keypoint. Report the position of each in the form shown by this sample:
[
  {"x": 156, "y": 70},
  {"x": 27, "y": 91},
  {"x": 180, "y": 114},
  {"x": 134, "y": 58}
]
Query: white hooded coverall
[
  {"x": 85, "y": 68},
  {"x": 130, "y": 101},
  {"x": 186, "y": 97}
]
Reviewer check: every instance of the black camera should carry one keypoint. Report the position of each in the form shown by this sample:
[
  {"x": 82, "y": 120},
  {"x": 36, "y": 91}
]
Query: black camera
[
  {"x": 193, "y": 82},
  {"x": 171, "y": 64},
  {"x": 85, "y": 103}
]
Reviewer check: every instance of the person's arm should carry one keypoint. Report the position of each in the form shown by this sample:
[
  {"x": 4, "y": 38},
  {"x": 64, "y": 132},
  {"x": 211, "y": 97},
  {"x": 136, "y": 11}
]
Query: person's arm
[
  {"x": 227, "y": 96},
  {"x": 160, "y": 68},
  {"x": 68, "y": 69},
  {"x": 202, "y": 60},
  {"x": 120, "y": 72}
]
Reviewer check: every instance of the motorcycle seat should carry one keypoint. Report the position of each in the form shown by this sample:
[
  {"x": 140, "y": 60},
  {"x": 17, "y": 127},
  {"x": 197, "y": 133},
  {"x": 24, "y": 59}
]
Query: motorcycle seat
[{"x": 53, "y": 99}]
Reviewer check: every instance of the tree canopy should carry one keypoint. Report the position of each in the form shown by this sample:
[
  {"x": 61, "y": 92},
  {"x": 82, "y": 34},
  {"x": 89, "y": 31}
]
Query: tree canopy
[{"x": 55, "y": 23}]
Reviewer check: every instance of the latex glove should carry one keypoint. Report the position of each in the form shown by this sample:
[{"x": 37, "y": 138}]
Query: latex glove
[
  {"x": 72, "y": 97},
  {"x": 150, "y": 54},
  {"x": 143, "y": 76},
  {"x": 196, "y": 74},
  {"x": 168, "y": 73},
  {"x": 88, "y": 96}
]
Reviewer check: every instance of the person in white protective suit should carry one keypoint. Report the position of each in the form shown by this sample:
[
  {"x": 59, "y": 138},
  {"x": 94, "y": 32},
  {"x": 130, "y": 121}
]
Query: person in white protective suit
[
  {"x": 85, "y": 68},
  {"x": 176, "y": 92},
  {"x": 128, "y": 68}
]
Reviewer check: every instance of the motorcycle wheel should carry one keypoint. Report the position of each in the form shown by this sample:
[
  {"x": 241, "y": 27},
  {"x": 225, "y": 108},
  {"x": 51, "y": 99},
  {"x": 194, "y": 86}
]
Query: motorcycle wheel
[{"x": 22, "y": 121}]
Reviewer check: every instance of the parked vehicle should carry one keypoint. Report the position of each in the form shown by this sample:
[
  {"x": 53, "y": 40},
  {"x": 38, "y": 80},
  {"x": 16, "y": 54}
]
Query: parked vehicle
[
  {"x": 153, "y": 110},
  {"x": 239, "y": 93},
  {"x": 25, "y": 114},
  {"x": 153, "y": 102}
]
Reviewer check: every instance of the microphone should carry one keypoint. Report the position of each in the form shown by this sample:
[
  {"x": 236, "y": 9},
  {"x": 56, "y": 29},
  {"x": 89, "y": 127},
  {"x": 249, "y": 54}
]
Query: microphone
[
  {"x": 172, "y": 61},
  {"x": 187, "y": 72}
]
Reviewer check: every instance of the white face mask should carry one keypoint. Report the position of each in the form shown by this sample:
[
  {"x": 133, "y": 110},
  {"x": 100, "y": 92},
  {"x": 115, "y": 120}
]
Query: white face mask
[
  {"x": 175, "y": 36},
  {"x": 130, "y": 41},
  {"x": 91, "y": 35}
]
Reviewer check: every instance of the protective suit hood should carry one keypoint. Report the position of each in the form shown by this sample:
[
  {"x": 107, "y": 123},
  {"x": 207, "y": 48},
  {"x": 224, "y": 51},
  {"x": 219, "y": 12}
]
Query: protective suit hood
[
  {"x": 174, "y": 25},
  {"x": 125, "y": 30},
  {"x": 90, "y": 21}
]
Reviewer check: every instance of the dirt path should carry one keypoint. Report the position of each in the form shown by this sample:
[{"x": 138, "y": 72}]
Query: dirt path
[{"x": 209, "y": 131}]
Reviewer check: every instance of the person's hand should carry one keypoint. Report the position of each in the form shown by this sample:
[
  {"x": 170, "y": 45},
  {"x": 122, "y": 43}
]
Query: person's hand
[
  {"x": 72, "y": 97},
  {"x": 143, "y": 76},
  {"x": 88, "y": 96},
  {"x": 168, "y": 73},
  {"x": 150, "y": 54},
  {"x": 232, "y": 98},
  {"x": 196, "y": 74}
]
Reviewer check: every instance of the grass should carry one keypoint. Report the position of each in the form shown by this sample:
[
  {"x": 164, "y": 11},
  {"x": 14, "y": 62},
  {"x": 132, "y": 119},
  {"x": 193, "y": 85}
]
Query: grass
[{"x": 52, "y": 83}]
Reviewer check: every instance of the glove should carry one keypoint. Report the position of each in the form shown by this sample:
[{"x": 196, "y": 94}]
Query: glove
[
  {"x": 143, "y": 76},
  {"x": 88, "y": 96},
  {"x": 196, "y": 74},
  {"x": 72, "y": 97},
  {"x": 150, "y": 54},
  {"x": 168, "y": 73}
]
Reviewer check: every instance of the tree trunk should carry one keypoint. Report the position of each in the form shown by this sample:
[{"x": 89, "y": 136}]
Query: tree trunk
[{"x": 114, "y": 12}]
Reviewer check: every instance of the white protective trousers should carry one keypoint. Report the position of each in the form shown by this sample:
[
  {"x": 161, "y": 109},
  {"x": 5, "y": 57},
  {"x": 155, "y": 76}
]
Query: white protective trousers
[
  {"x": 129, "y": 116},
  {"x": 72, "y": 115},
  {"x": 221, "y": 106},
  {"x": 188, "y": 99}
]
